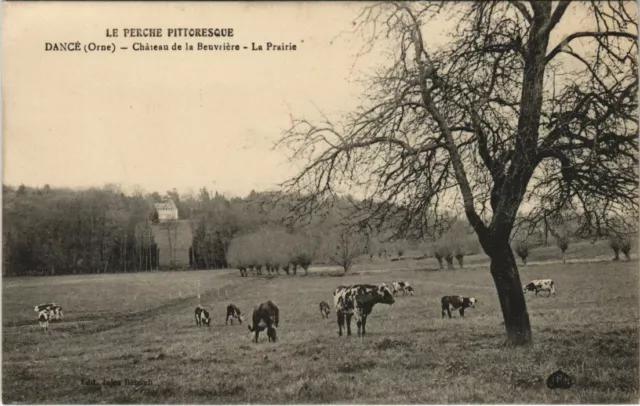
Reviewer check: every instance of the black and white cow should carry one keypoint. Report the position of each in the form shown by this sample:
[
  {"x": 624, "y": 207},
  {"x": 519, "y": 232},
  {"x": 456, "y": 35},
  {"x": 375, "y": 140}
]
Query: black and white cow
[
  {"x": 202, "y": 317},
  {"x": 234, "y": 313},
  {"x": 325, "y": 309},
  {"x": 55, "y": 310},
  {"x": 459, "y": 303},
  {"x": 44, "y": 317},
  {"x": 266, "y": 315},
  {"x": 358, "y": 301},
  {"x": 403, "y": 287},
  {"x": 540, "y": 285}
]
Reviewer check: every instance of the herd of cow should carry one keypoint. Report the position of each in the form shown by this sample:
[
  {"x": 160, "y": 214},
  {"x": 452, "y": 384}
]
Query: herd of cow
[
  {"x": 357, "y": 301},
  {"x": 354, "y": 301}
]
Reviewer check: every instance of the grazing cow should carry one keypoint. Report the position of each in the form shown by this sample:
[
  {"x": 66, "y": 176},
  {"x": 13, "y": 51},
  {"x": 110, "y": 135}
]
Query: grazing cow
[
  {"x": 457, "y": 303},
  {"x": 403, "y": 287},
  {"x": 540, "y": 285},
  {"x": 234, "y": 313},
  {"x": 202, "y": 317},
  {"x": 358, "y": 301},
  {"x": 266, "y": 315},
  {"x": 325, "y": 309},
  {"x": 44, "y": 317},
  {"x": 55, "y": 311}
]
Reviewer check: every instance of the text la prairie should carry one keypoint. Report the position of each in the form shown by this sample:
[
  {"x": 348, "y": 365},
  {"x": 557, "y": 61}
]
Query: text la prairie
[{"x": 274, "y": 47}]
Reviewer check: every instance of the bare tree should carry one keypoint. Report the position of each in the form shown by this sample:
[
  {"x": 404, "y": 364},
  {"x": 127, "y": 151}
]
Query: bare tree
[
  {"x": 458, "y": 242},
  {"x": 622, "y": 234},
  {"x": 561, "y": 233},
  {"x": 521, "y": 247},
  {"x": 498, "y": 115},
  {"x": 620, "y": 243},
  {"x": 345, "y": 247},
  {"x": 438, "y": 256},
  {"x": 563, "y": 244}
]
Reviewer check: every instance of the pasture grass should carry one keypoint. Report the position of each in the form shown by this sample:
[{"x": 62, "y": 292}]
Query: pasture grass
[{"x": 141, "y": 326}]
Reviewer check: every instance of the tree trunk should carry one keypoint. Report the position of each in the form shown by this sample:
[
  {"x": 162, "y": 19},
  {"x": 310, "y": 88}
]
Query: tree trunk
[
  {"x": 439, "y": 258},
  {"x": 106, "y": 265},
  {"x": 514, "y": 308},
  {"x": 449, "y": 260},
  {"x": 460, "y": 259},
  {"x": 125, "y": 251}
]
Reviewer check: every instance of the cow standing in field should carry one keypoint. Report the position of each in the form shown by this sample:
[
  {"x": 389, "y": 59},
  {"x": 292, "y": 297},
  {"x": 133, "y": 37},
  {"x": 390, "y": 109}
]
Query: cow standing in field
[
  {"x": 266, "y": 315},
  {"x": 540, "y": 285},
  {"x": 403, "y": 287},
  {"x": 358, "y": 301},
  {"x": 325, "y": 309},
  {"x": 459, "y": 303},
  {"x": 202, "y": 317},
  {"x": 55, "y": 311},
  {"x": 44, "y": 317},
  {"x": 234, "y": 313}
]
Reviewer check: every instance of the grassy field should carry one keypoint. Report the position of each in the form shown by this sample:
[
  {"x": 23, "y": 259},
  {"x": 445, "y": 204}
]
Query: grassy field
[{"x": 141, "y": 327}]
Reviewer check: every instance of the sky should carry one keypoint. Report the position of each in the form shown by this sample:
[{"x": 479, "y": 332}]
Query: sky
[
  {"x": 161, "y": 120},
  {"x": 164, "y": 120}
]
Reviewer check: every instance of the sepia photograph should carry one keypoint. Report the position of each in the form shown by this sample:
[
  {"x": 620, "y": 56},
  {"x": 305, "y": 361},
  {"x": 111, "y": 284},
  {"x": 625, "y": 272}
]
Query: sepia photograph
[{"x": 425, "y": 202}]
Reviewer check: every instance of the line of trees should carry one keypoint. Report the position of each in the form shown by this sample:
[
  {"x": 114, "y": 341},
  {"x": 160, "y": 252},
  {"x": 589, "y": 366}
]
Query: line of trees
[
  {"x": 272, "y": 249},
  {"x": 51, "y": 231},
  {"x": 565, "y": 230},
  {"x": 55, "y": 231},
  {"x": 456, "y": 243},
  {"x": 61, "y": 231}
]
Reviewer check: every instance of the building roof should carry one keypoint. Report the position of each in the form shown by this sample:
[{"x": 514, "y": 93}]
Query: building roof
[{"x": 167, "y": 204}]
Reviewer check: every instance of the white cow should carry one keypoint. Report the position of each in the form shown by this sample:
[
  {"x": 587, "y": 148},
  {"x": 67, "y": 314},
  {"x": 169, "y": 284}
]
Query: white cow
[
  {"x": 403, "y": 287},
  {"x": 540, "y": 285}
]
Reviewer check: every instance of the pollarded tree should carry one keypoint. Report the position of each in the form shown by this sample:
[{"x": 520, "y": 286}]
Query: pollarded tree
[
  {"x": 620, "y": 243},
  {"x": 459, "y": 242},
  {"x": 305, "y": 249},
  {"x": 623, "y": 229},
  {"x": 344, "y": 247},
  {"x": 563, "y": 243},
  {"x": 509, "y": 109},
  {"x": 238, "y": 255},
  {"x": 443, "y": 251},
  {"x": 522, "y": 247},
  {"x": 561, "y": 231},
  {"x": 437, "y": 254}
]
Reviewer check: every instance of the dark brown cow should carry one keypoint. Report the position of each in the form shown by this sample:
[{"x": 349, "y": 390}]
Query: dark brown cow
[
  {"x": 457, "y": 303},
  {"x": 325, "y": 309},
  {"x": 266, "y": 315}
]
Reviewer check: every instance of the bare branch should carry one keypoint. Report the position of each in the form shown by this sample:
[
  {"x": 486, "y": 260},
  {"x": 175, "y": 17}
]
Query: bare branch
[
  {"x": 523, "y": 9},
  {"x": 589, "y": 34}
]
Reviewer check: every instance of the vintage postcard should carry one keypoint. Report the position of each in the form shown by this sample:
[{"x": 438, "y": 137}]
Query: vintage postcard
[{"x": 320, "y": 202}]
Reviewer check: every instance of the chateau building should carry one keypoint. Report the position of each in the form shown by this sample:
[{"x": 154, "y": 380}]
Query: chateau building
[{"x": 167, "y": 210}]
